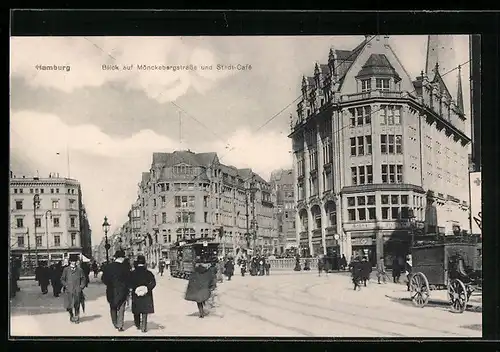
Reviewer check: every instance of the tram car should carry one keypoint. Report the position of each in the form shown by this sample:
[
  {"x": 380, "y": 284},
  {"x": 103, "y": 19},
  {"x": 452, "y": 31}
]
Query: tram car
[{"x": 183, "y": 255}]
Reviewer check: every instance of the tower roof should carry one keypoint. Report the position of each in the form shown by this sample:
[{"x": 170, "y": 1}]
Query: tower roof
[{"x": 378, "y": 64}]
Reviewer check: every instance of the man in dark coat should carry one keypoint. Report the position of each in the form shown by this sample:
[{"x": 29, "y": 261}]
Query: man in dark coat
[
  {"x": 73, "y": 280},
  {"x": 229, "y": 269},
  {"x": 366, "y": 269},
  {"x": 161, "y": 266},
  {"x": 55, "y": 279},
  {"x": 201, "y": 283},
  {"x": 116, "y": 277},
  {"x": 95, "y": 269},
  {"x": 42, "y": 275},
  {"x": 86, "y": 270},
  {"x": 142, "y": 282},
  {"x": 357, "y": 272},
  {"x": 396, "y": 270}
]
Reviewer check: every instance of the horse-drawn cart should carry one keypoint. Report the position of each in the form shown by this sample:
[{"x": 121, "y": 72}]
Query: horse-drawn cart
[{"x": 448, "y": 262}]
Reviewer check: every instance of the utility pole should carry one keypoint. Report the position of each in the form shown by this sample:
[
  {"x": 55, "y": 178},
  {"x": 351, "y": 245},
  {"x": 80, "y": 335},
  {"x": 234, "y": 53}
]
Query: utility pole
[
  {"x": 29, "y": 249},
  {"x": 247, "y": 235}
]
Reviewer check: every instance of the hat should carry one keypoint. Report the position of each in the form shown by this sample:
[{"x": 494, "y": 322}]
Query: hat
[
  {"x": 140, "y": 260},
  {"x": 73, "y": 257},
  {"x": 119, "y": 254}
]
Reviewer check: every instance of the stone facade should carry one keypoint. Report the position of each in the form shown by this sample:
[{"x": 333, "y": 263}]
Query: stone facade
[
  {"x": 193, "y": 195},
  {"x": 371, "y": 146},
  {"x": 62, "y": 226}
]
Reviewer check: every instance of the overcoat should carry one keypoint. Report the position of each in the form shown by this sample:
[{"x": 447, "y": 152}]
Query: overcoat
[
  {"x": 201, "y": 283},
  {"x": 366, "y": 269},
  {"x": 74, "y": 281},
  {"x": 142, "y": 277},
  {"x": 229, "y": 266},
  {"x": 116, "y": 277}
]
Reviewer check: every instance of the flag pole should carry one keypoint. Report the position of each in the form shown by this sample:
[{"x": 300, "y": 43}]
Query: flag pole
[{"x": 67, "y": 154}]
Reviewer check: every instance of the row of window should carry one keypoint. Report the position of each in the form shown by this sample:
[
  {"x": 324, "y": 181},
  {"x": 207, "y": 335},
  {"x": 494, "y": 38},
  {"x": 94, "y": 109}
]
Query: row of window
[
  {"x": 394, "y": 207},
  {"x": 42, "y": 191},
  {"x": 388, "y": 115},
  {"x": 380, "y": 83},
  {"x": 57, "y": 241},
  {"x": 55, "y": 204},
  {"x": 389, "y": 144},
  {"x": 38, "y": 222},
  {"x": 362, "y": 175}
]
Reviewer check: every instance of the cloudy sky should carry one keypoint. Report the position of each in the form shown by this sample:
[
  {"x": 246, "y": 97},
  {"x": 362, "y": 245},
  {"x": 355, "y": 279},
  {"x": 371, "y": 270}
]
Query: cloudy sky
[{"x": 110, "y": 122}]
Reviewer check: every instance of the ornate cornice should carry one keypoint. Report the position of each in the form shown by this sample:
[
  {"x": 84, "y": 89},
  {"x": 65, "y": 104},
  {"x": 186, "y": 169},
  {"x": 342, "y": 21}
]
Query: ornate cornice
[{"x": 382, "y": 187}]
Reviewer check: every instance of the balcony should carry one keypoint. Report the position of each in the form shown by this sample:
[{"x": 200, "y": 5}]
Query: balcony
[{"x": 373, "y": 94}]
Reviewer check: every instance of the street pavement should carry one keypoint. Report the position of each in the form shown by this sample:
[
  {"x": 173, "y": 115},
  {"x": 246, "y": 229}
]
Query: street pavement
[{"x": 284, "y": 304}]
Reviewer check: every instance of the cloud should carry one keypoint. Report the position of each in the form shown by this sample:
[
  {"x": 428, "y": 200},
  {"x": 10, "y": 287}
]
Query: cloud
[
  {"x": 88, "y": 57},
  {"x": 109, "y": 168}
]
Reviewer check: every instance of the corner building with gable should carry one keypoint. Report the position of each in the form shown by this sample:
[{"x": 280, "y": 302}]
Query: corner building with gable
[{"x": 372, "y": 146}]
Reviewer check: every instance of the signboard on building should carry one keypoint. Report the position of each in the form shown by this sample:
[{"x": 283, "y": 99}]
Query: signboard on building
[{"x": 476, "y": 202}]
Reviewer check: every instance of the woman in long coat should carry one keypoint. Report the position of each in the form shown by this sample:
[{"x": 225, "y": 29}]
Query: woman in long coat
[
  {"x": 142, "y": 305},
  {"x": 74, "y": 281},
  {"x": 201, "y": 283},
  {"x": 229, "y": 269}
]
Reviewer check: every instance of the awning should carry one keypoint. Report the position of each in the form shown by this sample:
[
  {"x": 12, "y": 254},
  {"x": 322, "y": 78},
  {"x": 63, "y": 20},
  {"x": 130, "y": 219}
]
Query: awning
[{"x": 85, "y": 259}]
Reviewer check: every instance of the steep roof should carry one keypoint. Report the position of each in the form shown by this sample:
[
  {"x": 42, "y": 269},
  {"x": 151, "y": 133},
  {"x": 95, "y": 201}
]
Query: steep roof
[
  {"x": 184, "y": 156},
  {"x": 378, "y": 64},
  {"x": 438, "y": 80}
]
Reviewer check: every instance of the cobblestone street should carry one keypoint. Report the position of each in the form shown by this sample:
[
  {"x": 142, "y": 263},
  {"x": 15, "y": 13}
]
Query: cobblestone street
[{"x": 283, "y": 304}]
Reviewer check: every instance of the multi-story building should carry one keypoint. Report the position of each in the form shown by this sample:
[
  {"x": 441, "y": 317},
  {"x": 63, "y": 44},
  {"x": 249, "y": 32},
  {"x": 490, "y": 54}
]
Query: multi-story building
[
  {"x": 371, "y": 147},
  {"x": 284, "y": 210},
  {"x": 47, "y": 219},
  {"x": 193, "y": 195}
]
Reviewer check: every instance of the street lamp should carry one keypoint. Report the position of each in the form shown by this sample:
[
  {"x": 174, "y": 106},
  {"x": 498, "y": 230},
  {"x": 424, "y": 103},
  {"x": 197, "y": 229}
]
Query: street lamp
[
  {"x": 47, "y": 233},
  {"x": 36, "y": 204},
  {"x": 413, "y": 221},
  {"x": 105, "y": 228}
]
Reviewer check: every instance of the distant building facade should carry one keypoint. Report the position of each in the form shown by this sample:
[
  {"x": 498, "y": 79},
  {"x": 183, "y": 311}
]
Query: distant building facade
[
  {"x": 48, "y": 221},
  {"x": 192, "y": 195},
  {"x": 282, "y": 184},
  {"x": 372, "y": 146}
]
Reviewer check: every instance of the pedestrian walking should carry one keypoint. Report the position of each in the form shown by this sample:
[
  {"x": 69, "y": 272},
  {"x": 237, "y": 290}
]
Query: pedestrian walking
[
  {"x": 161, "y": 267},
  {"x": 220, "y": 270},
  {"x": 357, "y": 273},
  {"x": 321, "y": 264},
  {"x": 307, "y": 264},
  {"x": 86, "y": 270},
  {"x": 14, "y": 277},
  {"x": 297, "y": 264},
  {"x": 42, "y": 275},
  {"x": 381, "y": 270},
  {"x": 201, "y": 283},
  {"x": 55, "y": 278},
  {"x": 243, "y": 267},
  {"x": 366, "y": 269},
  {"x": 343, "y": 262},
  {"x": 396, "y": 270},
  {"x": 95, "y": 269},
  {"x": 73, "y": 281},
  {"x": 229, "y": 269},
  {"x": 408, "y": 267},
  {"x": 142, "y": 282},
  {"x": 116, "y": 277},
  {"x": 267, "y": 266}
]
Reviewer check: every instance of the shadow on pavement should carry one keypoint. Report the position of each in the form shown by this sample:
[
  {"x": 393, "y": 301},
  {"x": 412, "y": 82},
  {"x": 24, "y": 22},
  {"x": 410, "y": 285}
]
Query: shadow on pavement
[
  {"x": 434, "y": 304},
  {"x": 31, "y": 301},
  {"x": 151, "y": 325},
  {"x": 89, "y": 318}
]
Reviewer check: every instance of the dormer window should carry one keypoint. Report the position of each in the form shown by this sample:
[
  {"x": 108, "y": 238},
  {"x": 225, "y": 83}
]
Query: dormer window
[
  {"x": 366, "y": 85},
  {"x": 382, "y": 83}
]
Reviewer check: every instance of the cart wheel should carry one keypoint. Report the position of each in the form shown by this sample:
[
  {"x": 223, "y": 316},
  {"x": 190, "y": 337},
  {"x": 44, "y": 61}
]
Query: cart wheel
[
  {"x": 419, "y": 288},
  {"x": 457, "y": 295}
]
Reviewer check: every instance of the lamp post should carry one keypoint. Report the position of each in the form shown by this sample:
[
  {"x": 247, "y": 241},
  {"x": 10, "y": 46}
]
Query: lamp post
[
  {"x": 36, "y": 204},
  {"x": 413, "y": 219},
  {"x": 47, "y": 234},
  {"x": 105, "y": 228}
]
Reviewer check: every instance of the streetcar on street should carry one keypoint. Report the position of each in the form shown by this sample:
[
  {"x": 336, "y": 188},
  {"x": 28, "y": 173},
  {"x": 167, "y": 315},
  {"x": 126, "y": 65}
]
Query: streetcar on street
[{"x": 185, "y": 253}]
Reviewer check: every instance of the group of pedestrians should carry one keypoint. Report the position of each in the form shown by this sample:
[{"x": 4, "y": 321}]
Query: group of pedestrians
[
  {"x": 328, "y": 263},
  {"x": 123, "y": 282},
  {"x": 258, "y": 265},
  {"x": 361, "y": 269}
]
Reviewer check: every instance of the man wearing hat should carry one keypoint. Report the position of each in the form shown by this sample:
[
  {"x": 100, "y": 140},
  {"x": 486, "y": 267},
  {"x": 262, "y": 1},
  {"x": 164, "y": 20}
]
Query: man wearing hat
[
  {"x": 73, "y": 281},
  {"x": 142, "y": 283},
  {"x": 116, "y": 277}
]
